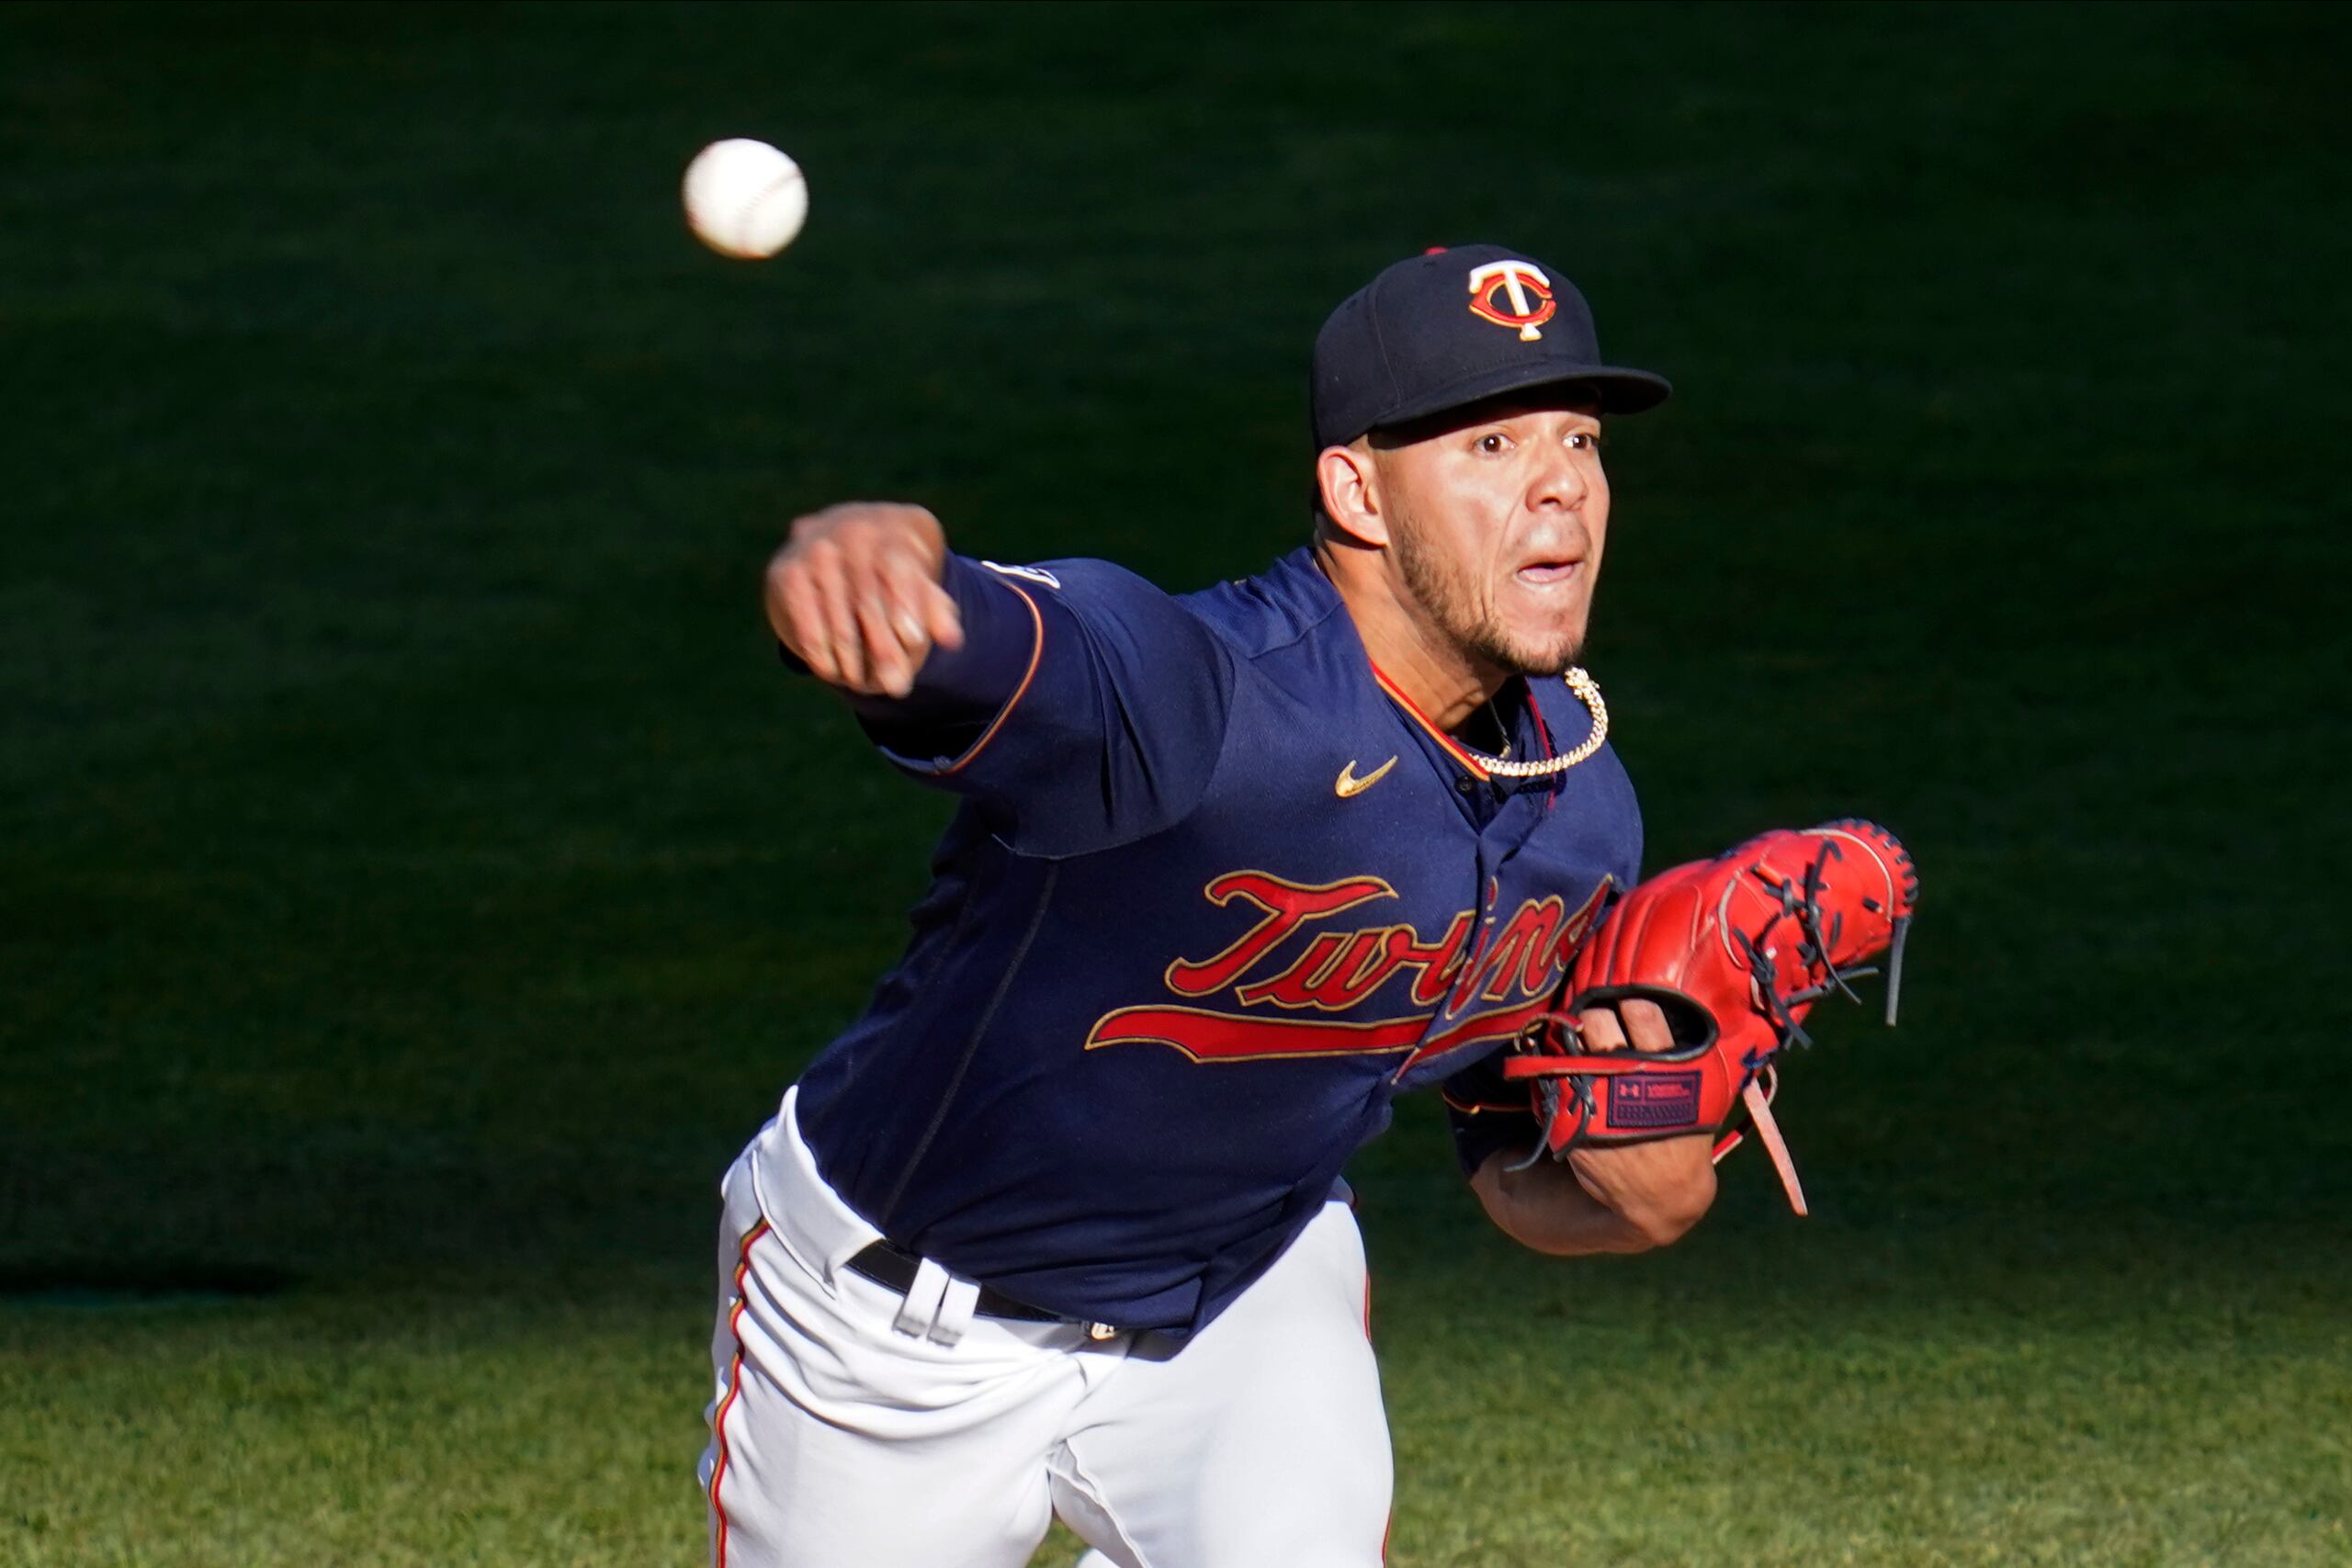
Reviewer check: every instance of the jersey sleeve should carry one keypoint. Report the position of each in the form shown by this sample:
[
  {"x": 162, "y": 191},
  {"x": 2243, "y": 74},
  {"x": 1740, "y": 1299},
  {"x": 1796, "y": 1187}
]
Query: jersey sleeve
[
  {"x": 1086, "y": 707},
  {"x": 1488, "y": 1115}
]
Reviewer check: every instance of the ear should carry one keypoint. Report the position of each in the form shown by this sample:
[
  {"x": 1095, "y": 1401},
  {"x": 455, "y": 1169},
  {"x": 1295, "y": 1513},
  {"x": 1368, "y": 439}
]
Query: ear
[{"x": 1350, "y": 487}]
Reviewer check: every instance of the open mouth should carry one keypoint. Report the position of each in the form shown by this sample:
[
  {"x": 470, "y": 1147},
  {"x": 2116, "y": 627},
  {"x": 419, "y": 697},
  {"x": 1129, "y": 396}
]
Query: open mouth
[{"x": 1549, "y": 573}]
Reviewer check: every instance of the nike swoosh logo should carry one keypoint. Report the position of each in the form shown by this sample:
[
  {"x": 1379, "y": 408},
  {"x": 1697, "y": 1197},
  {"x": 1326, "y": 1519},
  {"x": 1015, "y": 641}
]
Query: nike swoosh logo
[{"x": 1349, "y": 784}]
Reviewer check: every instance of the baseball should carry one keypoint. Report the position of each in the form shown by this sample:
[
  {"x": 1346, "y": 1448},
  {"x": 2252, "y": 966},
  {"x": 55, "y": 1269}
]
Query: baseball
[{"x": 745, "y": 199}]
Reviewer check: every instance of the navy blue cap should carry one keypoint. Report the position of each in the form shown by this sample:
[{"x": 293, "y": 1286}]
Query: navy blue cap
[{"x": 1436, "y": 331}]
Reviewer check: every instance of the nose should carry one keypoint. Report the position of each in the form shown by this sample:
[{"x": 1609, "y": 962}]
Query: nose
[{"x": 1559, "y": 484}]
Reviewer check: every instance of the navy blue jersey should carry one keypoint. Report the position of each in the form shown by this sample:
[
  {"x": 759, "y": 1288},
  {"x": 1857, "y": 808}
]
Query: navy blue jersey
[{"x": 1217, "y": 895}]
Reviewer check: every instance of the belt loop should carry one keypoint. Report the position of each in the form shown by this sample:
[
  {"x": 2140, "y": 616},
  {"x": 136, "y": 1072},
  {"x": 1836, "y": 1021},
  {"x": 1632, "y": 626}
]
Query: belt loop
[
  {"x": 922, "y": 1306},
  {"x": 955, "y": 1310}
]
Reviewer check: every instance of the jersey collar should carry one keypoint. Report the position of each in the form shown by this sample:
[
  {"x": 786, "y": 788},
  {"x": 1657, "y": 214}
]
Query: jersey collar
[
  {"x": 1452, "y": 746},
  {"x": 1300, "y": 574}
]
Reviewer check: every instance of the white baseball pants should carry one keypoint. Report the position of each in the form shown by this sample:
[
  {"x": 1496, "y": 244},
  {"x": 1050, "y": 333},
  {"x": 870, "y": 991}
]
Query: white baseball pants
[{"x": 855, "y": 1427}]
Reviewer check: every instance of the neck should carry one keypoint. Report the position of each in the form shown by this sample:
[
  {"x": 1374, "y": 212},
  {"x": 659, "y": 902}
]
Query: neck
[{"x": 1443, "y": 680}]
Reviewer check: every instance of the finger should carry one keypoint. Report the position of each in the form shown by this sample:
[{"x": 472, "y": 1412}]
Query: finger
[
  {"x": 886, "y": 658},
  {"x": 905, "y": 579},
  {"x": 1646, "y": 1025},
  {"x": 873, "y": 599},
  {"x": 1601, "y": 1031},
  {"x": 775, "y": 582},
  {"x": 941, "y": 616},
  {"x": 915, "y": 597},
  {"x": 805, "y": 615},
  {"x": 831, "y": 573}
]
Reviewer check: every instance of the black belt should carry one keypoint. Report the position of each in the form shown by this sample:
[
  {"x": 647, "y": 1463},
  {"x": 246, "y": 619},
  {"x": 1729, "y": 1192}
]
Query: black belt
[{"x": 895, "y": 1267}]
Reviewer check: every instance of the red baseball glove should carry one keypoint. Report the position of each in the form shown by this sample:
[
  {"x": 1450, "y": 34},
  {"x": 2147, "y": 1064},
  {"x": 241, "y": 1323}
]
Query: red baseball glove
[{"x": 1736, "y": 950}]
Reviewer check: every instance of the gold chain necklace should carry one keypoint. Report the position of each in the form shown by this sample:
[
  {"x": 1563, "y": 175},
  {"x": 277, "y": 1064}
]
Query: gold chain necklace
[{"x": 1588, "y": 692}]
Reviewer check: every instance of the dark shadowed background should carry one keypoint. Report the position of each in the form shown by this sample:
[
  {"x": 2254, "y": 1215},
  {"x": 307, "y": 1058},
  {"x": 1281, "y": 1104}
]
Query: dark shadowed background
[{"x": 416, "y": 877}]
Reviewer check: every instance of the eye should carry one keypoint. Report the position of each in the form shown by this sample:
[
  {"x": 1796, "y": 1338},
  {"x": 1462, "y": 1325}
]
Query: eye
[
  {"x": 1494, "y": 444},
  {"x": 1585, "y": 441}
]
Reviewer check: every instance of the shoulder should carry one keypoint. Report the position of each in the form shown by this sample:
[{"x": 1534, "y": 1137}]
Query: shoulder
[{"x": 1289, "y": 603}]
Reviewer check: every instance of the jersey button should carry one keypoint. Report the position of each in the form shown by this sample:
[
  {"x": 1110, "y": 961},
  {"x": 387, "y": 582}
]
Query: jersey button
[{"x": 1465, "y": 783}]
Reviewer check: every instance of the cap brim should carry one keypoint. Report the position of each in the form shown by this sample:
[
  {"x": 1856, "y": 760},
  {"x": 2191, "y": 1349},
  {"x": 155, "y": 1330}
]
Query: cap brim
[{"x": 1621, "y": 390}]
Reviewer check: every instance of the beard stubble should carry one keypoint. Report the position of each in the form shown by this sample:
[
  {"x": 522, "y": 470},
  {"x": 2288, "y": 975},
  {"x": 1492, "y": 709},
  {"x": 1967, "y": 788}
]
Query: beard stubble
[{"x": 1450, "y": 601}]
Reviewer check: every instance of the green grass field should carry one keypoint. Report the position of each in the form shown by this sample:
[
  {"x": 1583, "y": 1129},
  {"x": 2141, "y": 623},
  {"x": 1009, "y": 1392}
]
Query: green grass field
[{"x": 416, "y": 878}]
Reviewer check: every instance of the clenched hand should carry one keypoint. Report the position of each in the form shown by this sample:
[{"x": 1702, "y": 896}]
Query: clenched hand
[{"x": 854, "y": 594}]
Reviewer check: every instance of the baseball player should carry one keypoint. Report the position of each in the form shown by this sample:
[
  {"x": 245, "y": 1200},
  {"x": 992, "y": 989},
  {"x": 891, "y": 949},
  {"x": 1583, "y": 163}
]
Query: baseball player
[{"x": 1057, "y": 1226}]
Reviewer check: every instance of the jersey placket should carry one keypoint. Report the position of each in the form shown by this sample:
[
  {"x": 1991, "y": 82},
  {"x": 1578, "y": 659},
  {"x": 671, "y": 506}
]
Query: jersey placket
[{"x": 1501, "y": 815}]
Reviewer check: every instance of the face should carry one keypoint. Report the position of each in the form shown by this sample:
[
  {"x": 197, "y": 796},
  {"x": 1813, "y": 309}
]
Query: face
[{"x": 1496, "y": 516}]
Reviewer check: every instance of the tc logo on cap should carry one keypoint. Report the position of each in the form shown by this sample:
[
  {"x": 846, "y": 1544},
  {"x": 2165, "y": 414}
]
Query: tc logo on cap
[{"x": 1523, "y": 282}]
